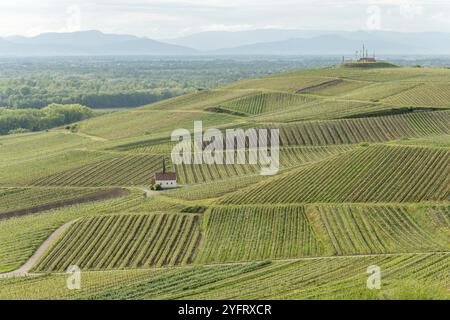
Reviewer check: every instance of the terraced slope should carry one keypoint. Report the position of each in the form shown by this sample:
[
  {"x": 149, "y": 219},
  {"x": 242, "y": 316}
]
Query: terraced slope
[
  {"x": 336, "y": 278},
  {"x": 125, "y": 241},
  {"x": 373, "y": 174},
  {"x": 155, "y": 123},
  {"x": 323, "y": 278},
  {"x": 21, "y": 201},
  {"x": 257, "y": 233},
  {"x": 213, "y": 189},
  {"x": 131, "y": 169},
  {"x": 291, "y": 83},
  {"x": 20, "y": 237},
  {"x": 126, "y": 170},
  {"x": 364, "y": 229},
  {"x": 378, "y": 91},
  {"x": 356, "y": 189},
  {"x": 424, "y": 95},
  {"x": 377, "y": 75},
  {"x": 324, "y": 109},
  {"x": 266, "y": 102},
  {"x": 18, "y": 148},
  {"x": 23, "y": 173},
  {"x": 200, "y": 100},
  {"x": 376, "y": 129},
  {"x": 439, "y": 141},
  {"x": 254, "y": 233},
  {"x": 337, "y": 87}
]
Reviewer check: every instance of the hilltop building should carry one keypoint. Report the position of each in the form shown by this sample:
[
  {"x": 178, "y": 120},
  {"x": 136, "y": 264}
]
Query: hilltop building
[
  {"x": 364, "y": 56},
  {"x": 167, "y": 180},
  {"x": 367, "y": 59}
]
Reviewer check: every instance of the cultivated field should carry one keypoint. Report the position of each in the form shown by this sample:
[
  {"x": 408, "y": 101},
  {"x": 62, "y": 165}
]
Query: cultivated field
[
  {"x": 364, "y": 180},
  {"x": 125, "y": 241},
  {"x": 372, "y": 174}
]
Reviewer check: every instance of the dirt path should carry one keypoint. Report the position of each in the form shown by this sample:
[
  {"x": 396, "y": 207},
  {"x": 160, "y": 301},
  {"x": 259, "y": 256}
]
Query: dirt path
[
  {"x": 150, "y": 193},
  {"x": 90, "y": 136},
  {"x": 24, "y": 269}
]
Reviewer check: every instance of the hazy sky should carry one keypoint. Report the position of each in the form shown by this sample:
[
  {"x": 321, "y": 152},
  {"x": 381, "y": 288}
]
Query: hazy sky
[{"x": 171, "y": 18}]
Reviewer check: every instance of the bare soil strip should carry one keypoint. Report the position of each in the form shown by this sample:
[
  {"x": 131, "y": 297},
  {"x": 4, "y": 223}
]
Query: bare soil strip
[
  {"x": 320, "y": 86},
  {"x": 96, "y": 196}
]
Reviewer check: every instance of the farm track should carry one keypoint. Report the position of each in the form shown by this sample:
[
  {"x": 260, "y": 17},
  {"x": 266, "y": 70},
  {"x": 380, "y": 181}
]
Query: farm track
[
  {"x": 24, "y": 269},
  {"x": 96, "y": 196}
]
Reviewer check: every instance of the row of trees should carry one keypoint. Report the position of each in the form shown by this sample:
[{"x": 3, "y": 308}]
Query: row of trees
[{"x": 54, "y": 115}]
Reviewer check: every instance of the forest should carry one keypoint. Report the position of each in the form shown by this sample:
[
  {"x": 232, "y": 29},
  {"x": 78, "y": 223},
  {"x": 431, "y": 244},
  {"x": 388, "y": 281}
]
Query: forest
[
  {"x": 54, "y": 115},
  {"x": 122, "y": 82}
]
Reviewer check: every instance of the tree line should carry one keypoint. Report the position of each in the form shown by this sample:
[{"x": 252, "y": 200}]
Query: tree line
[
  {"x": 54, "y": 115},
  {"x": 120, "y": 82}
]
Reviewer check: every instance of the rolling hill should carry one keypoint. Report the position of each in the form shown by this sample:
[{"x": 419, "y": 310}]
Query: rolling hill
[{"x": 364, "y": 180}]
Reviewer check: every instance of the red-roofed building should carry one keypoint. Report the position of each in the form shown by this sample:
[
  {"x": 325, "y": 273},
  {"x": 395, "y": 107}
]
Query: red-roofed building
[
  {"x": 367, "y": 59},
  {"x": 167, "y": 180}
]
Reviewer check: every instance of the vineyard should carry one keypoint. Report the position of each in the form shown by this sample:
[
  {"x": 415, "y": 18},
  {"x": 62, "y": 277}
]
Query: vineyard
[
  {"x": 425, "y": 95},
  {"x": 125, "y": 241},
  {"x": 213, "y": 189},
  {"x": 134, "y": 169},
  {"x": 156, "y": 123},
  {"x": 336, "y": 278},
  {"x": 439, "y": 141},
  {"x": 12, "y": 199},
  {"x": 257, "y": 233},
  {"x": 285, "y": 83},
  {"x": 266, "y": 102},
  {"x": 323, "y": 109},
  {"x": 249, "y": 233},
  {"x": 364, "y": 180},
  {"x": 373, "y": 174},
  {"x": 20, "y": 237},
  {"x": 324, "y": 278},
  {"x": 113, "y": 172},
  {"x": 20, "y": 148},
  {"x": 338, "y": 88},
  {"x": 377, "y": 129},
  {"x": 378, "y": 91},
  {"x": 380, "y": 229},
  {"x": 201, "y": 99}
]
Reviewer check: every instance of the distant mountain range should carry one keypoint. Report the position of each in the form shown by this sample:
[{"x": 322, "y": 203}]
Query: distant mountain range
[
  {"x": 87, "y": 43},
  {"x": 256, "y": 42}
]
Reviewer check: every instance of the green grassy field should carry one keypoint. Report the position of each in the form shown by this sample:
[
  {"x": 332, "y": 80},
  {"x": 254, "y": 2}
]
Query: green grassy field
[{"x": 364, "y": 180}]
